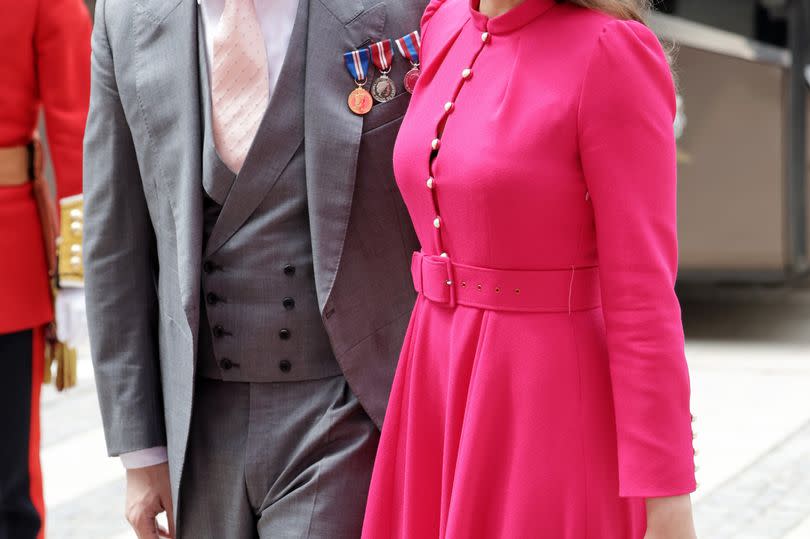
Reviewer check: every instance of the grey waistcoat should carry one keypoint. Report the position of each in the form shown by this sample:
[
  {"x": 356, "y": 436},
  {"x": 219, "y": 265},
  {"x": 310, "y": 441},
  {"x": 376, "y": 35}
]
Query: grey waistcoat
[{"x": 261, "y": 321}]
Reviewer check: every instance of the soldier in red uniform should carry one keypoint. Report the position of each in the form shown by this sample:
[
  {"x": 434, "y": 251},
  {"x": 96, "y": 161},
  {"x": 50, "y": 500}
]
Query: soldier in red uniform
[{"x": 44, "y": 62}]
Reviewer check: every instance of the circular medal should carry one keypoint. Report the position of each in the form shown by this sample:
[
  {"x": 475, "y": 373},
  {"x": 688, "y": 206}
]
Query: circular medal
[
  {"x": 360, "y": 101},
  {"x": 383, "y": 89},
  {"x": 410, "y": 79}
]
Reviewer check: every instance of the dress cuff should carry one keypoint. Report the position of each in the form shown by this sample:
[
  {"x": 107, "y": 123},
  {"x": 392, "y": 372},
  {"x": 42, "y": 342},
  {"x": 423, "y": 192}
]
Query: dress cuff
[{"x": 144, "y": 457}]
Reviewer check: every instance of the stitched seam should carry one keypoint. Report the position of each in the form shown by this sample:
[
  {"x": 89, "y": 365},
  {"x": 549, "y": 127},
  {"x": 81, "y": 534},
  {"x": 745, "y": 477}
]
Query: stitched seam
[
  {"x": 247, "y": 443},
  {"x": 333, "y": 14},
  {"x": 151, "y": 16},
  {"x": 386, "y": 123},
  {"x": 329, "y": 433},
  {"x": 581, "y": 419},
  {"x": 577, "y": 250},
  {"x": 145, "y": 118},
  {"x": 584, "y": 81},
  {"x": 375, "y": 330}
]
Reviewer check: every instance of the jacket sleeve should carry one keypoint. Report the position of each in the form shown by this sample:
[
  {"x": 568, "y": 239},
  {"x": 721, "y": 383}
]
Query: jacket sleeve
[
  {"x": 627, "y": 150},
  {"x": 120, "y": 267},
  {"x": 62, "y": 42}
]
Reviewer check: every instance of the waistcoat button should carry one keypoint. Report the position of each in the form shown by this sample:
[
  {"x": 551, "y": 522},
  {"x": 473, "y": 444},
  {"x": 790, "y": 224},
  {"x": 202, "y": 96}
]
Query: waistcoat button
[
  {"x": 289, "y": 269},
  {"x": 218, "y": 331},
  {"x": 288, "y": 303},
  {"x": 284, "y": 334},
  {"x": 208, "y": 266},
  {"x": 212, "y": 298},
  {"x": 225, "y": 363},
  {"x": 285, "y": 366}
]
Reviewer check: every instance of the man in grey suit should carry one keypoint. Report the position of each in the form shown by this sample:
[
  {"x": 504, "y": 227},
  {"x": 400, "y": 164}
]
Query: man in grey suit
[{"x": 247, "y": 299}]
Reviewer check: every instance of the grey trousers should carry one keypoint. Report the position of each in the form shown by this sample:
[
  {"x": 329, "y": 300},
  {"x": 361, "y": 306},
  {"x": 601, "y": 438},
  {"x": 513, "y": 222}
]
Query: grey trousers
[{"x": 276, "y": 460}]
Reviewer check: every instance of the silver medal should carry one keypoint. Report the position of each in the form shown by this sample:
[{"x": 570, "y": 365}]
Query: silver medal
[{"x": 383, "y": 89}]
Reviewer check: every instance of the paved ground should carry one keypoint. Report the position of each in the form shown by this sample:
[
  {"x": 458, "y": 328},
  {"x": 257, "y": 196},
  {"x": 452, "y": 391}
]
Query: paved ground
[{"x": 749, "y": 355}]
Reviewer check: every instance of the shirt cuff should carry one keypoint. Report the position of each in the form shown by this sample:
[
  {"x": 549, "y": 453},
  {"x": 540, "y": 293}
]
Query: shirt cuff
[{"x": 144, "y": 457}]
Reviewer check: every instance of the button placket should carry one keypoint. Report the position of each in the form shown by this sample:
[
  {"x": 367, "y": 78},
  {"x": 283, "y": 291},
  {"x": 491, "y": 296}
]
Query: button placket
[{"x": 436, "y": 144}]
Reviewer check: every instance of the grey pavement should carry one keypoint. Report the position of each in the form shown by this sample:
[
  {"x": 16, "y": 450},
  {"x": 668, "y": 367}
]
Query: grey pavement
[{"x": 749, "y": 356}]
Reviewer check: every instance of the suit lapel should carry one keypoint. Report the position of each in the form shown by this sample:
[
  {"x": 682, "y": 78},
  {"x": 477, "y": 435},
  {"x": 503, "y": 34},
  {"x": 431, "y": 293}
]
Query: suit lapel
[
  {"x": 167, "y": 83},
  {"x": 332, "y": 131}
]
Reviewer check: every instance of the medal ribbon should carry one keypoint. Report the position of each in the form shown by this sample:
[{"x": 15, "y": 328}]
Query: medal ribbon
[
  {"x": 409, "y": 46},
  {"x": 382, "y": 53},
  {"x": 357, "y": 63}
]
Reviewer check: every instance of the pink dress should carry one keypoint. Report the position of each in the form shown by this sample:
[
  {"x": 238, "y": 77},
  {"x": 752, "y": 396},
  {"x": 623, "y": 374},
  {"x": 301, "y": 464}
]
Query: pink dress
[{"x": 542, "y": 390}]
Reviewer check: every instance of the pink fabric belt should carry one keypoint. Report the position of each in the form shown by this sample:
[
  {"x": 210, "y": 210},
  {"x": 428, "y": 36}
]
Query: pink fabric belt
[{"x": 564, "y": 290}]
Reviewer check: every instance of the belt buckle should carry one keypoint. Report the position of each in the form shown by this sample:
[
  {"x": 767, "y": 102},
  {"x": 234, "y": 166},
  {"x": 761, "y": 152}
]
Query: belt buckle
[{"x": 450, "y": 282}]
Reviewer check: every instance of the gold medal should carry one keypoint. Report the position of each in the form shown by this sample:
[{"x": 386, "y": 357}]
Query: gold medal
[{"x": 360, "y": 101}]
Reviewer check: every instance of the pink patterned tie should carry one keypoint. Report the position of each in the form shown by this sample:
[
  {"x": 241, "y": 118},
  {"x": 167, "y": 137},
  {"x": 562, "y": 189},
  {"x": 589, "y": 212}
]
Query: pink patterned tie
[{"x": 240, "y": 87}]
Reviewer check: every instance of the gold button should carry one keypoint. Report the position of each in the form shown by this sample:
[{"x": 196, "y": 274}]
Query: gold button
[
  {"x": 435, "y": 144},
  {"x": 443, "y": 255},
  {"x": 76, "y": 226},
  {"x": 466, "y": 73},
  {"x": 485, "y": 37},
  {"x": 437, "y": 222},
  {"x": 75, "y": 261},
  {"x": 448, "y": 282},
  {"x": 76, "y": 214},
  {"x": 448, "y": 106},
  {"x": 75, "y": 248},
  {"x": 429, "y": 183}
]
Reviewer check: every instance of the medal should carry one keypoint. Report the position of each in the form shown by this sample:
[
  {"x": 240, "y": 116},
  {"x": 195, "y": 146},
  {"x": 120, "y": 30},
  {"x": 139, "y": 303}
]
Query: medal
[
  {"x": 409, "y": 47},
  {"x": 382, "y": 53},
  {"x": 360, "y": 101},
  {"x": 383, "y": 89},
  {"x": 410, "y": 79}
]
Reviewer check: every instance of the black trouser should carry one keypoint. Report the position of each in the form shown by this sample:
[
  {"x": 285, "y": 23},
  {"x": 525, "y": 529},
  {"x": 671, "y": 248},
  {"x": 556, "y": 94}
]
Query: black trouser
[{"x": 19, "y": 517}]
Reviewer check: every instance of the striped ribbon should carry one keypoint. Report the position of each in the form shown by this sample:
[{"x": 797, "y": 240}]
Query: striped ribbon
[
  {"x": 409, "y": 46},
  {"x": 357, "y": 63}
]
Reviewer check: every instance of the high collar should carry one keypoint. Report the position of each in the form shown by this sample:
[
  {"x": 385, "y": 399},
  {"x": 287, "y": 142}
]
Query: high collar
[{"x": 515, "y": 18}]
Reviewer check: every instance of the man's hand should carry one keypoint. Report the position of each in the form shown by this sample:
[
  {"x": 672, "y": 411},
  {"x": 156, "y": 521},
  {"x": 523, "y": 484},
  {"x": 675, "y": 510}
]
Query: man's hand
[
  {"x": 148, "y": 495},
  {"x": 670, "y": 518}
]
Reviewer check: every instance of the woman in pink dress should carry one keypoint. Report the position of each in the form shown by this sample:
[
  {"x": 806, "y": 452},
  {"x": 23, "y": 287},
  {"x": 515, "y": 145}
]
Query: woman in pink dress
[{"x": 542, "y": 390}]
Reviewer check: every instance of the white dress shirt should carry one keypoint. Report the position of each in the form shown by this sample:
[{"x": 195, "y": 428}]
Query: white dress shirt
[{"x": 276, "y": 19}]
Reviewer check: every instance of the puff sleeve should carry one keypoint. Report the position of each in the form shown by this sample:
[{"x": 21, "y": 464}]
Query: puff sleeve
[
  {"x": 430, "y": 10},
  {"x": 627, "y": 151}
]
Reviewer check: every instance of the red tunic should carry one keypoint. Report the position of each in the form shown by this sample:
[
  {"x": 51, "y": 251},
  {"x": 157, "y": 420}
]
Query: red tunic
[{"x": 45, "y": 54}]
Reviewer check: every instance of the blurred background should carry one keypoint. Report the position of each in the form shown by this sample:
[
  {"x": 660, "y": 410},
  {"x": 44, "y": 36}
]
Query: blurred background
[{"x": 744, "y": 219}]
